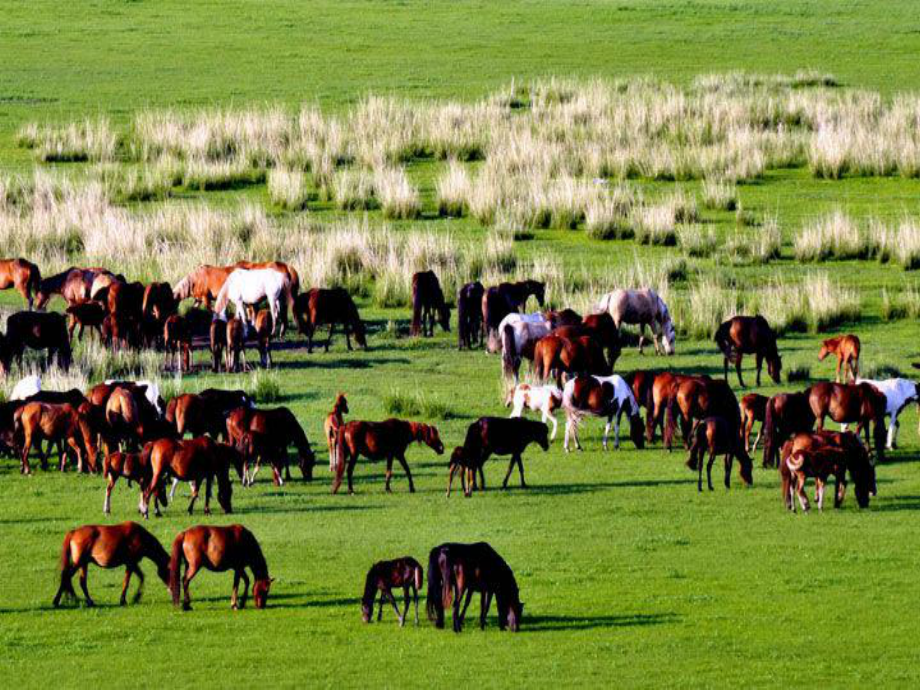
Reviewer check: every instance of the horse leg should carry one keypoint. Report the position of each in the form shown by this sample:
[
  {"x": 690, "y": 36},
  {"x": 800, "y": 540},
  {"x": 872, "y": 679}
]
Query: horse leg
[
  {"x": 389, "y": 474},
  {"x": 892, "y": 441},
  {"x": 712, "y": 459},
  {"x": 234, "y": 596},
  {"x": 837, "y": 372},
  {"x": 245, "y": 579},
  {"x": 352, "y": 461},
  {"x": 729, "y": 458},
  {"x": 329, "y": 341},
  {"x": 520, "y": 464},
  {"x": 402, "y": 461},
  {"x": 379, "y": 607},
  {"x": 547, "y": 417},
  {"x": 800, "y": 491},
  {"x": 84, "y": 572},
  {"x": 392, "y": 599},
  {"x": 190, "y": 571},
  {"x": 466, "y": 604},
  {"x": 759, "y": 360},
  {"x": 107, "y": 504},
  {"x": 140, "y": 587},
  {"x": 819, "y": 493},
  {"x": 485, "y": 601},
  {"x": 699, "y": 478},
  {"x": 191, "y": 505},
  {"x": 738, "y": 360},
  {"x": 616, "y": 430},
  {"x": 607, "y": 431},
  {"x": 508, "y": 473},
  {"x": 641, "y": 338},
  {"x": 124, "y": 587}
]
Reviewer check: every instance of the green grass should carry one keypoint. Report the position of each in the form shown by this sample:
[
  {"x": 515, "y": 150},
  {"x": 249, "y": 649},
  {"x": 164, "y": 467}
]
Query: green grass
[{"x": 626, "y": 572}]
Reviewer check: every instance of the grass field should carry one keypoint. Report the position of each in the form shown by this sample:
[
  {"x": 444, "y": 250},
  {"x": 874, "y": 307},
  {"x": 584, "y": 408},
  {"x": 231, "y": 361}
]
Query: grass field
[{"x": 628, "y": 574}]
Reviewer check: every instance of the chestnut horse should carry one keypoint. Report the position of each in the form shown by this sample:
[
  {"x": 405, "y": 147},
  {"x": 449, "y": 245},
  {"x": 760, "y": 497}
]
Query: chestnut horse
[
  {"x": 659, "y": 388},
  {"x": 273, "y": 431},
  {"x": 489, "y": 436},
  {"x": 331, "y": 425},
  {"x": 821, "y": 455},
  {"x": 600, "y": 328},
  {"x": 718, "y": 437},
  {"x": 203, "y": 284},
  {"x": 37, "y": 331},
  {"x": 405, "y": 572},
  {"x": 455, "y": 570},
  {"x": 861, "y": 403},
  {"x": 73, "y": 285},
  {"x": 427, "y": 304},
  {"x": 218, "y": 338},
  {"x": 219, "y": 549},
  {"x": 846, "y": 349},
  {"x": 177, "y": 338},
  {"x": 56, "y": 423},
  {"x": 236, "y": 352},
  {"x": 131, "y": 466},
  {"x": 22, "y": 275},
  {"x": 698, "y": 398},
  {"x": 506, "y": 298},
  {"x": 469, "y": 315},
  {"x": 318, "y": 306},
  {"x": 753, "y": 409},
  {"x": 555, "y": 355},
  {"x": 109, "y": 546},
  {"x": 786, "y": 414},
  {"x": 749, "y": 335},
  {"x": 264, "y": 327},
  {"x": 386, "y": 440}
]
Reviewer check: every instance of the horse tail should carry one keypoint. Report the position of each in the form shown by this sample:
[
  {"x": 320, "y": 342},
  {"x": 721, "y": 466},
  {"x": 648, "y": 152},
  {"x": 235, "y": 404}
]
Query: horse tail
[
  {"x": 768, "y": 431},
  {"x": 418, "y": 576},
  {"x": 721, "y": 338},
  {"x": 434, "y": 602},
  {"x": 223, "y": 297},
  {"x": 508, "y": 350},
  {"x": 670, "y": 420},
  {"x": 416, "y": 326},
  {"x": 65, "y": 551},
  {"x": 175, "y": 565},
  {"x": 536, "y": 365},
  {"x": 33, "y": 283},
  {"x": 696, "y": 448},
  {"x": 462, "y": 325}
]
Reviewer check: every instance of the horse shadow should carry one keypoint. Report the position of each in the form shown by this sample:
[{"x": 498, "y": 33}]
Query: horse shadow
[
  {"x": 550, "y": 623},
  {"x": 897, "y": 504},
  {"x": 341, "y": 363},
  {"x": 302, "y": 600},
  {"x": 278, "y": 510},
  {"x": 593, "y": 487}
]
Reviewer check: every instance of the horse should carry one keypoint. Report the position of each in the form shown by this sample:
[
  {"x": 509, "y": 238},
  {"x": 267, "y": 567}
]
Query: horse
[
  {"x": 73, "y": 285},
  {"x": 494, "y": 341},
  {"x": 263, "y": 326},
  {"x": 219, "y": 549},
  {"x": 645, "y": 308},
  {"x": 861, "y": 403},
  {"x": 26, "y": 386},
  {"x": 319, "y": 306},
  {"x": 581, "y": 355},
  {"x": 285, "y": 269},
  {"x": 753, "y": 409},
  {"x": 469, "y": 315},
  {"x": 236, "y": 341},
  {"x": 331, "y": 425},
  {"x": 131, "y": 466},
  {"x": 248, "y": 287},
  {"x": 820, "y": 456},
  {"x": 518, "y": 341},
  {"x": 89, "y": 314},
  {"x": 58, "y": 424},
  {"x": 719, "y": 437},
  {"x": 22, "y": 275},
  {"x": 386, "y": 440},
  {"x": 489, "y": 436},
  {"x": 123, "y": 416},
  {"x": 109, "y": 546},
  {"x": 38, "y": 331},
  {"x": 177, "y": 338},
  {"x": 455, "y": 570},
  {"x": 899, "y": 393},
  {"x": 503, "y": 299},
  {"x": 600, "y": 328},
  {"x": 272, "y": 432},
  {"x": 218, "y": 341},
  {"x": 786, "y": 414},
  {"x": 191, "y": 413},
  {"x": 405, "y": 572},
  {"x": 158, "y": 302},
  {"x": 846, "y": 349},
  {"x": 607, "y": 396},
  {"x": 203, "y": 284},
  {"x": 560, "y": 318},
  {"x": 749, "y": 335},
  {"x": 427, "y": 304},
  {"x": 542, "y": 399}
]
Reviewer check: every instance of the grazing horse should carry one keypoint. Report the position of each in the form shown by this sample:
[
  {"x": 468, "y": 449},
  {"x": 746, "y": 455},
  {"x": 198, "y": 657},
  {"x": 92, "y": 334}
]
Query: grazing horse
[
  {"x": 22, "y": 275},
  {"x": 37, "y": 331},
  {"x": 860, "y": 403},
  {"x": 318, "y": 306},
  {"x": 753, "y": 409},
  {"x": 263, "y": 326},
  {"x": 236, "y": 340},
  {"x": 272, "y": 432},
  {"x": 820, "y": 456},
  {"x": 518, "y": 341},
  {"x": 331, "y": 425},
  {"x": 249, "y": 287},
  {"x": 455, "y": 570},
  {"x": 89, "y": 314},
  {"x": 428, "y": 303},
  {"x": 158, "y": 302},
  {"x": 749, "y": 335},
  {"x": 555, "y": 355},
  {"x": 899, "y": 393},
  {"x": 131, "y": 466},
  {"x": 506, "y": 298},
  {"x": 601, "y": 329},
  {"x": 405, "y": 572},
  {"x": 697, "y": 398},
  {"x": 219, "y": 549},
  {"x": 469, "y": 315},
  {"x": 563, "y": 317},
  {"x": 607, "y": 396},
  {"x": 218, "y": 341},
  {"x": 177, "y": 337},
  {"x": 542, "y": 399},
  {"x": 719, "y": 437},
  {"x": 645, "y": 308},
  {"x": 489, "y": 436},
  {"x": 58, "y": 424},
  {"x": 123, "y": 416},
  {"x": 386, "y": 440},
  {"x": 846, "y": 349},
  {"x": 203, "y": 284},
  {"x": 288, "y": 272},
  {"x": 73, "y": 285},
  {"x": 786, "y": 414},
  {"x": 109, "y": 546}
]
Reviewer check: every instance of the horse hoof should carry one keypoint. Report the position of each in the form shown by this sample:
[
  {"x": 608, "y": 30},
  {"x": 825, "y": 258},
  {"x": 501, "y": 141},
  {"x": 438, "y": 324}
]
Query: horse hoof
[{"x": 186, "y": 607}]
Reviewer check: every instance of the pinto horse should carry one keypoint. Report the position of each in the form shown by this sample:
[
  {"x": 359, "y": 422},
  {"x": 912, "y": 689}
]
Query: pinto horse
[
  {"x": 22, "y": 275},
  {"x": 219, "y": 549},
  {"x": 846, "y": 349},
  {"x": 506, "y": 298},
  {"x": 601, "y": 396},
  {"x": 331, "y": 425},
  {"x": 203, "y": 284},
  {"x": 861, "y": 403},
  {"x": 749, "y": 335},
  {"x": 469, "y": 315},
  {"x": 455, "y": 570},
  {"x": 821, "y": 455},
  {"x": 899, "y": 393},
  {"x": 386, "y": 440},
  {"x": 58, "y": 424},
  {"x": 286, "y": 269},
  {"x": 272, "y": 431},
  {"x": 643, "y": 308},
  {"x": 719, "y": 437},
  {"x": 489, "y": 436},
  {"x": 427, "y": 304},
  {"x": 109, "y": 546},
  {"x": 518, "y": 341},
  {"x": 405, "y": 572},
  {"x": 37, "y": 331},
  {"x": 543, "y": 399},
  {"x": 317, "y": 306}
]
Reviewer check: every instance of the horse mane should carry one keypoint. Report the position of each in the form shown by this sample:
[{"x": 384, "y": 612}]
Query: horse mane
[
  {"x": 54, "y": 283},
  {"x": 258, "y": 564},
  {"x": 183, "y": 289}
]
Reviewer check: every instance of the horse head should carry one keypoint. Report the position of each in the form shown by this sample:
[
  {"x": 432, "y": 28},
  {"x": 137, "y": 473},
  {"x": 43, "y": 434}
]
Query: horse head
[
  {"x": 668, "y": 335},
  {"x": 637, "y": 429},
  {"x": 775, "y": 367},
  {"x": 306, "y": 460},
  {"x": 429, "y": 435},
  {"x": 444, "y": 316},
  {"x": 538, "y": 290},
  {"x": 360, "y": 333},
  {"x": 260, "y": 591}
]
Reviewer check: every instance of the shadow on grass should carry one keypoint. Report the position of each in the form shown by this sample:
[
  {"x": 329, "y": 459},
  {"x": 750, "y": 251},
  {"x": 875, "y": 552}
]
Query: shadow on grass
[
  {"x": 279, "y": 510},
  {"x": 554, "y": 623},
  {"x": 897, "y": 504}
]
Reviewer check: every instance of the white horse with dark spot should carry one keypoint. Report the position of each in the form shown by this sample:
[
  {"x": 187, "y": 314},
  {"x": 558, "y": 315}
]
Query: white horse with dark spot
[
  {"x": 543, "y": 399},
  {"x": 643, "y": 308},
  {"x": 899, "y": 393},
  {"x": 247, "y": 287},
  {"x": 518, "y": 340}
]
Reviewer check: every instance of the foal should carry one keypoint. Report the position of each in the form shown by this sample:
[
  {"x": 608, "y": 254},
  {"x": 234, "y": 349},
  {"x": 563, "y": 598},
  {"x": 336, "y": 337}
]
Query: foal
[
  {"x": 403, "y": 572},
  {"x": 543, "y": 399},
  {"x": 753, "y": 409},
  {"x": 331, "y": 425},
  {"x": 846, "y": 349},
  {"x": 131, "y": 466},
  {"x": 719, "y": 437}
]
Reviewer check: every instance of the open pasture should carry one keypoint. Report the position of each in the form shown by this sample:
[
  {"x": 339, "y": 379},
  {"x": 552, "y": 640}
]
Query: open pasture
[{"x": 739, "y": 157}]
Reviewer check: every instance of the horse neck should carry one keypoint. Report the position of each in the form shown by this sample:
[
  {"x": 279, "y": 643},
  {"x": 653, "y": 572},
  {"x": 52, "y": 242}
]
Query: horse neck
[
  {"x": 370, "y": 587},
  {"x": 154, "y": 550},
  {"x": 257, "y": 560}
]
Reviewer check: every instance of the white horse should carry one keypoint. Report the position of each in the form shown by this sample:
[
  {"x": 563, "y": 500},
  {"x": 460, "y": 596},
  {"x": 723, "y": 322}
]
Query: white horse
[
  {"x": 899, "y": 393},
  {"x": 494, "y": 341},
  {"x": 623, "y": 401},
  {"x": 26, "y": 386},
  {"x": 542, "y": 399},
  {"x": 644, "y": 308},
  {"x": 248, "y": 287},
  {"x": 518, "y": 340}
]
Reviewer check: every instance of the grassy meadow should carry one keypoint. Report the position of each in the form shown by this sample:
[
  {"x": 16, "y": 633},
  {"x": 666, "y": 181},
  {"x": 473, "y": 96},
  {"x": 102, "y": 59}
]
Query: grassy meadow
[{"x": 628, "y": 575}]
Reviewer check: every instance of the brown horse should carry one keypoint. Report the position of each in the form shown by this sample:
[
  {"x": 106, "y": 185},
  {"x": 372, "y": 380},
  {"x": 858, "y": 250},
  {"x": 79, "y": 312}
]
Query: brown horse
[
  {"x": 109, "y": 546},
  {"x": 660, "y": 387},
  {"x": 202, "y": 284},
  {"x": 559, "y": 318},
  {"x": 489, "y": 436},
  {"x": 602, "y": 329},
  {"x": 846, "y": 349},
  {"x": 177, "y": 338},
  {"x": 219, "y": 549},
  {"x": 22, "y": 275},
  {"x": 749, "y": 335},
  {"x": 131, "y": 466},
  {"x": 236, "y": 353},
  {"x": 272, "y": 432},
  {"x": 376, "y": 441},
  {"x": 609, "y": 397},
  {"x": 37, "y": 331},
  {"x": 57, "y": 424},
  {"x": 263, "y": 327},
  {"x": 85, "y": 315},
  {"x": 698, "y": 398},
  {"x": 555, "y": 355},
  {"x": 427, "y": 304},
  {"x": 158, "y": 302},
  {"x": 318, "y": 306},
  {"x": 822, "y": 455},
  {"x": 193, "y": 414},
  {"x": 469, "y": 315},
  {"x": 505, "y": 298},
  {"x": 73, "y": 285},
  {"x": 405, "y": 572},
  {"x": 786, "y": 414},
  {"x": 331, "y": 425},
  {"x": 862, "y": 404},
  {"x": 455, "y": 570},
  {"x": 753, "y": 409},
  {"x": 719, "y": 437},
  {"x": 122, "y": 416},
  {"x": 218, "y": 338}
]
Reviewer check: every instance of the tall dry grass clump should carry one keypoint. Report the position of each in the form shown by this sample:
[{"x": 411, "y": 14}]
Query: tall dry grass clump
[
  {"x": 353, "y": 189},
  {"x": 755, "y": 246},
  {"x": 288, "y": 189},
  {"x": 833, "y": 236},
  {"x": 398, "y": 198},
  {"x": 720, "y": 194},
  {"x": 897, "y": 243},
  {"x": 87, "y": 140},
  {"x": 453, "y": 190}
]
